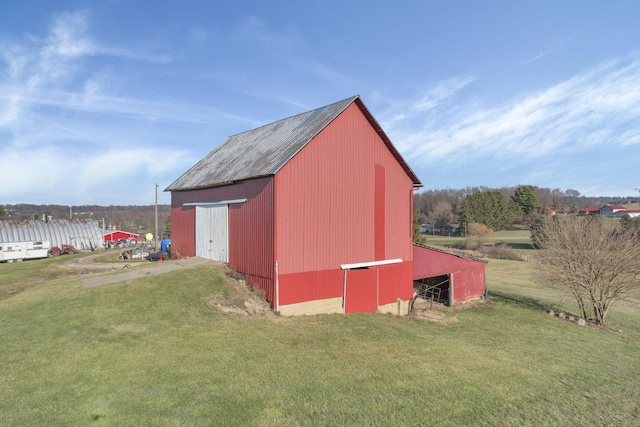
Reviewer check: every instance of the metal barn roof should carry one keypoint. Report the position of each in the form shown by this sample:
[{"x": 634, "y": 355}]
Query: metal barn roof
[
  {"x": 79, "y": 233},
  {"x": 264, "y": 150}
]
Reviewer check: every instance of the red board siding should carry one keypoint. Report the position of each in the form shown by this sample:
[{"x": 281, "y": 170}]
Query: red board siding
[
  {"x": 362, "y": 291},
  {"x": 395, "y": 282},
  {"x": 295, "y": 287},
  {"x": 468, "y": 284},
  {"x": 183, "y": 226},
  {"x": 251, "y": 234},
  {"x": 327, "y": 198},
  {"x": 366, "y": 289},
  {"x": 468, "y": 274}
]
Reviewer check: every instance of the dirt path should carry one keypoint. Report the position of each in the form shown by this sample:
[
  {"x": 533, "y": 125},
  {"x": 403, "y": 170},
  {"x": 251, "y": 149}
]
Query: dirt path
[
  {"x": 90, "y": 263},
  {"x": 106, "y": 273}
]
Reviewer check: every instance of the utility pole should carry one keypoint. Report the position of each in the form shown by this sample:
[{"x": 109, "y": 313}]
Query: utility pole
[{"x": 156, "y": 216}]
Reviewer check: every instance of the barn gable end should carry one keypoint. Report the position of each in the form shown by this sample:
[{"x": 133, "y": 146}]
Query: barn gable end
[{"x": 304, "y": 197}]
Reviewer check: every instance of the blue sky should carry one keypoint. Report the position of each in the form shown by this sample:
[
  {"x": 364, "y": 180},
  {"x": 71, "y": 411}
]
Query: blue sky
[{"x": 99, "y": 101}]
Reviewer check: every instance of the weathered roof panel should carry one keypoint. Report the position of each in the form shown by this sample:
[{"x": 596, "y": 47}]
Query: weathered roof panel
[
  {"x": 265, "y": 150},
  {"x": 258, "y": 152}
]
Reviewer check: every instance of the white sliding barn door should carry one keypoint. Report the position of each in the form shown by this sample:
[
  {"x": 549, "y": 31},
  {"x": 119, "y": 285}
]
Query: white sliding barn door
[{"x": 212, "y": 234}]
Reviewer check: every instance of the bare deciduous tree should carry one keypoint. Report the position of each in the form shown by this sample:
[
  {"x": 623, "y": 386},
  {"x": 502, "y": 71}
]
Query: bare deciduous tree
[
  {"x": 596, "y": 262},
  {"x": 479, "y": 233},
  {"x": 442, "y": 214}
]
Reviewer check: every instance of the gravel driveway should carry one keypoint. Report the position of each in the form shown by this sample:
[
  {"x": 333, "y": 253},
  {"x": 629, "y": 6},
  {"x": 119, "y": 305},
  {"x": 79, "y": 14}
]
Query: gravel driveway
[{"x": 118, "y": 274}]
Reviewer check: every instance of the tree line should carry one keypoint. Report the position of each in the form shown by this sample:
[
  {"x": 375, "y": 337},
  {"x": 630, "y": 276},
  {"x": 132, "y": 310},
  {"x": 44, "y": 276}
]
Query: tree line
[{"x": 502, "y": 207}]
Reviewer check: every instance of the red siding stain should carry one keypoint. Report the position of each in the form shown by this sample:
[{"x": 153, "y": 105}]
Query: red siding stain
[{"x": 379, "y": 212}]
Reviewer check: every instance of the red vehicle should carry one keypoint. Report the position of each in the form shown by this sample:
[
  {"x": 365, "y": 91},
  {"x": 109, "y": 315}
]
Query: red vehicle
[{"x": 64, "y": 249}]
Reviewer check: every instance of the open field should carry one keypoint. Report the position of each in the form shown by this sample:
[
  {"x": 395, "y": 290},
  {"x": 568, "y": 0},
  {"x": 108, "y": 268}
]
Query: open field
[
  {"x": 157, "y": 351},
  {"x": 519, "y": 240}
]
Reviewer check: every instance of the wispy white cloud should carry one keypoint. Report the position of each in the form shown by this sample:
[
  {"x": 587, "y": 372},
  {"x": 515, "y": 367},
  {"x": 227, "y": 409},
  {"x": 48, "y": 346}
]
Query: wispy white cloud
[
  {"x": 45, "y": 66},
  {"x": 539, "y": 56},
  {"x": 46, "y": 73},
  {"x": 68, "y": 37},
  {"x": 64, "y": 120},
  {"x": 275, "y": 50},
  {"x": 535, "y": 58},
  {"x": 255, "y": 31},
  {"x": 599, "y": 107},
  {"x": 440, "y": 95},
  {"x": 91, "y": 176}
]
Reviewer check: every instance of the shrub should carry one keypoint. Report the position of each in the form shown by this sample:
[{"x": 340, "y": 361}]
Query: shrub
[{"x": 501, "y": 251}]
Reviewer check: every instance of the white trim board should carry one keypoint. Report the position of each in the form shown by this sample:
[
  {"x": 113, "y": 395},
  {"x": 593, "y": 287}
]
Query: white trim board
[
  {"x": 213, "y": 204},
  {"x": 370, "y": 264}
]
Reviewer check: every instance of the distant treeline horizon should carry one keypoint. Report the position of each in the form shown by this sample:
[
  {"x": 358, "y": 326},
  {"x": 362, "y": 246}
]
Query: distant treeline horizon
[{"x": 443, "y": 205}]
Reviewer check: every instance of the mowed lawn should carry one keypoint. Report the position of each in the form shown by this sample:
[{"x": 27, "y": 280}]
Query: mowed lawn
[{"x": 156, "y": 351}]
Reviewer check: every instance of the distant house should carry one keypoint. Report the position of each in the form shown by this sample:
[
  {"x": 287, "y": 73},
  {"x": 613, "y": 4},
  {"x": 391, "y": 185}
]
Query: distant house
[
  {"x": 315, "y": 210},
  {"x": 611, "y": 211},
  {"x": 590, "y": 211},
  {"x": 426, "y": 228}
]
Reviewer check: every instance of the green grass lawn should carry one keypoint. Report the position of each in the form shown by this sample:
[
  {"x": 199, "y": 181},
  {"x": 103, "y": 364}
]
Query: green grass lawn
[
  {"x": 519, "y": 240},
  {"x": 155, "y": 352}
]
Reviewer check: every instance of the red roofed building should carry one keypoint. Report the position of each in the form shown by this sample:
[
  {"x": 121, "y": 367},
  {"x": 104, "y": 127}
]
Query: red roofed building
[{"x": 611, "y": 211}]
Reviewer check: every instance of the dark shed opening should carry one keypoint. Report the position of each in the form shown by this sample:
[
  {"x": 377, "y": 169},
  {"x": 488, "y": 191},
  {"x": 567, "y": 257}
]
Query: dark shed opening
[{"x": 432, "y": 290}]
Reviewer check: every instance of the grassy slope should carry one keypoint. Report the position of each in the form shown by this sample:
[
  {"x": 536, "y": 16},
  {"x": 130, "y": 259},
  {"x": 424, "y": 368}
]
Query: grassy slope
[{"x": 153, "y": 352}]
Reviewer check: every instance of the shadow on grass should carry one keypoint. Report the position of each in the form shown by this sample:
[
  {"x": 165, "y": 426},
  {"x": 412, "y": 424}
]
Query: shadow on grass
[
  {"x": 519, "y": 300},
  {"x": 521, "y": 245}
]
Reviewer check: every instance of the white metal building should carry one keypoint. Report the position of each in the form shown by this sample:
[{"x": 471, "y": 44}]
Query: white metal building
[{"x": 82, "y": 234}]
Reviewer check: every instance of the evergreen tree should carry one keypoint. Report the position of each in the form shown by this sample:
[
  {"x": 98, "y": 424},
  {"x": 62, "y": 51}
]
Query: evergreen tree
[
  {"x": 525, "y": 198},
  {"x": 538, "y": 228},
  {"x": 490, "y": 208},
  {"x": 166, "y": 232},
  {"x": 630, "y": 224}
]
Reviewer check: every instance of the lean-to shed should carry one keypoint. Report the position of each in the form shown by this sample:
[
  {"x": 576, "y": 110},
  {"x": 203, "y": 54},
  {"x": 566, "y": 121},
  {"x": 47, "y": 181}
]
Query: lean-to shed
[
  {"x": 316, "y": 210},
  {"x": 458, "y": 278}
]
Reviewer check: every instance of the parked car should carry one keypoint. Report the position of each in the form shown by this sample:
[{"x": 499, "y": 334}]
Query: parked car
[{"x": 130, "y": 242}]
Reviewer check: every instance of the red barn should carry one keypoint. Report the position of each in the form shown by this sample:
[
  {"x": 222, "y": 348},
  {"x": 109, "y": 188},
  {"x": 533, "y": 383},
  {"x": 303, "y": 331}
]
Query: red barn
[
  {"x": 114, "y": 236},
  {"x": 315, "y": 209}
]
